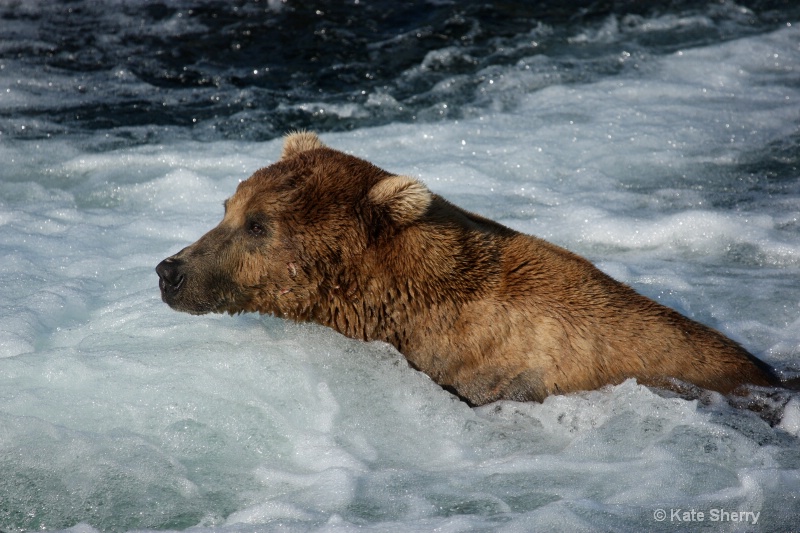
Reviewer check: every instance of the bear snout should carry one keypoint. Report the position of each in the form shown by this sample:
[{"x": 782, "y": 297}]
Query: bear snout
[{"x": 170, "y": 277}]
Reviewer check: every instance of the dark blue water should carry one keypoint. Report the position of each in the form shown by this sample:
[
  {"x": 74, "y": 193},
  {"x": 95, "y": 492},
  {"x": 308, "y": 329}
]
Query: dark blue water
[{"x": 141, "y": 72}]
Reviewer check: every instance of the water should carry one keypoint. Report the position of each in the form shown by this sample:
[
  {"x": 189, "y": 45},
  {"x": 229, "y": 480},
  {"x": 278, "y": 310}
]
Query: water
[{"x": 660, "y": 142}]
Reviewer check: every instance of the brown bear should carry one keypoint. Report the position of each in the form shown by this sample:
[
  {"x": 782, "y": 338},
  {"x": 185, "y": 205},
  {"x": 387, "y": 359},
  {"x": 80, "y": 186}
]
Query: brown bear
[{"x": 487, "y": 312}]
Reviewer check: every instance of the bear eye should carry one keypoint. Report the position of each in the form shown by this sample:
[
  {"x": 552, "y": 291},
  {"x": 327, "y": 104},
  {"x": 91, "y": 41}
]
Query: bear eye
[{"x": 255, "y": 228}]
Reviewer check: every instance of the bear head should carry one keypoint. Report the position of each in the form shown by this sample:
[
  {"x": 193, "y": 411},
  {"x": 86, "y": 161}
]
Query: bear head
[{"x": 291, "y": 232}]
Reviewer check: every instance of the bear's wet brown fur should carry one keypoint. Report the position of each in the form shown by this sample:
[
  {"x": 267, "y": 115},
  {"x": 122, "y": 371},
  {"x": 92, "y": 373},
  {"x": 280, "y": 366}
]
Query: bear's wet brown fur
[{"x": 487, "y": 312}]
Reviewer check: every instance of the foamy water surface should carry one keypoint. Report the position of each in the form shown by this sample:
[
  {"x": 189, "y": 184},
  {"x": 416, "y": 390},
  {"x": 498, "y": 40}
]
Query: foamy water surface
[{"x": 678, "y": 177}]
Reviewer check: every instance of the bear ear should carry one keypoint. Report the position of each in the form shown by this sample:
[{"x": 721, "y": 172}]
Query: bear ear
[
  {"x": 300, "y": 141},
  {"x": 402, "y": 198}
]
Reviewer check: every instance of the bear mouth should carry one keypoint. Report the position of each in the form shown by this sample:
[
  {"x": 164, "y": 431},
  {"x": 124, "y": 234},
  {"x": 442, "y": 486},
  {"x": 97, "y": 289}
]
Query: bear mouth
[{"x": 187, "y": 303}]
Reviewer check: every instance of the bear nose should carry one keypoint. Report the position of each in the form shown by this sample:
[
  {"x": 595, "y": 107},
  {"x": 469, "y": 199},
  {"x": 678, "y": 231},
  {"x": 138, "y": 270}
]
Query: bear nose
[{"x": 170, "y": 277}]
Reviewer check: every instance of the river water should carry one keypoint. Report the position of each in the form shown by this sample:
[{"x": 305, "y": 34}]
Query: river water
[{"x": 661, "y": 141}]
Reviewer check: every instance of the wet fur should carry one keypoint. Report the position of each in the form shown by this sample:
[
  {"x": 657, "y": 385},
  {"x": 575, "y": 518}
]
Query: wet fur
[{"x": 487, "y": 312}]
